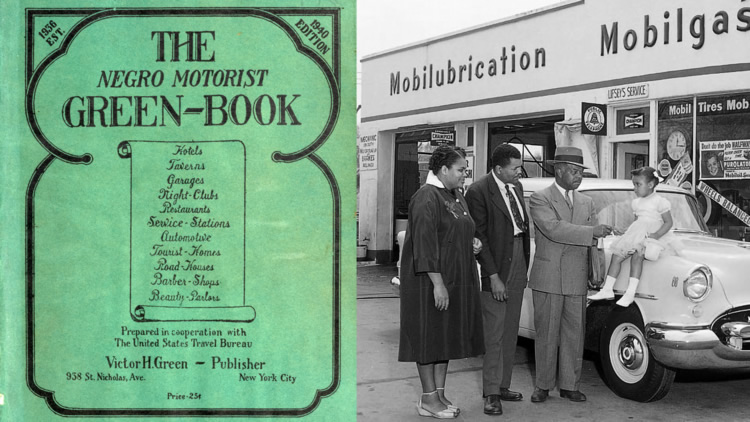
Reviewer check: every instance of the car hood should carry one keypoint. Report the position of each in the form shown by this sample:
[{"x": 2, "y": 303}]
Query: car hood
[{"x": 727, "y": 259}]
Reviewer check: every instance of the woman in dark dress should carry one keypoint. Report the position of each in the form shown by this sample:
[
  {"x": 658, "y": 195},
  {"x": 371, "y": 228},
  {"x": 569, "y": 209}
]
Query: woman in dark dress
[{"x": 440, "y": 310}]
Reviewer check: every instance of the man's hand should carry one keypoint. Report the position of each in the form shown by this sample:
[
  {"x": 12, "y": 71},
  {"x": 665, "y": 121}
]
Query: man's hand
[
  {"x": 477, "y": 244},
  {"x": 602, "y": 230},
  {"x": 498, "y": 288}
]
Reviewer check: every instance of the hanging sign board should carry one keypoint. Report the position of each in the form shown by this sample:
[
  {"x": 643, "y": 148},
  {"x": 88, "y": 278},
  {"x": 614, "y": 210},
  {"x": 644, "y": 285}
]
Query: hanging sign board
[{"x": 594, "y": 119}]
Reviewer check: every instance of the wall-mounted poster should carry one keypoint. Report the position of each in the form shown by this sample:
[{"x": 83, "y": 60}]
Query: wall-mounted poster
[
  {"x": 178, "y": 187},
  {"x": 725, "y": 159},
  {"x": 367, "y": 152}
]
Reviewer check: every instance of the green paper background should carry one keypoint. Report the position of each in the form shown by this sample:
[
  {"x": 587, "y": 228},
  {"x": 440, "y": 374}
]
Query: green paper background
[{"x": 291, "y": 267}]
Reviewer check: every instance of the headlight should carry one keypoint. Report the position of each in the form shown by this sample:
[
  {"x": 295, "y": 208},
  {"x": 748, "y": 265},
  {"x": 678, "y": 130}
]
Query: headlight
[{"x": 698, "y": 284}]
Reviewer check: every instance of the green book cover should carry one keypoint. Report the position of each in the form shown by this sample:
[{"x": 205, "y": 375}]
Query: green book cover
[{"x": 178, "y": 193}]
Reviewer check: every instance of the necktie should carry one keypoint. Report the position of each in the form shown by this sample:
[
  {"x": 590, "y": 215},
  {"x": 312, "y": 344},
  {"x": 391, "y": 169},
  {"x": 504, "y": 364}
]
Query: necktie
[
  {"x": 569, "y": 199},
  {"x": 515, "y": 211}
]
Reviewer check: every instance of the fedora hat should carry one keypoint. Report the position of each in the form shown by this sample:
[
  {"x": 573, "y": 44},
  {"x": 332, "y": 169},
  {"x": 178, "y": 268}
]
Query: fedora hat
[{"x": 568, "y": 155}]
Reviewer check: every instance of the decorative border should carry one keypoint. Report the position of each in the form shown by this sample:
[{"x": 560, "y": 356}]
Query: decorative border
[{"x": 33, "y": 77}]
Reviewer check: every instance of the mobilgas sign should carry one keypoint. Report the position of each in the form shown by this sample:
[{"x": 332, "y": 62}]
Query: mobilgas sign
[{"x": 673, "y": 27}]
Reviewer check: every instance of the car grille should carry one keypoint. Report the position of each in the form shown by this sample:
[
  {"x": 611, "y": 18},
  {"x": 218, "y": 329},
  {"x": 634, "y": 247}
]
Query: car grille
[{"x": 741, "y": 314}]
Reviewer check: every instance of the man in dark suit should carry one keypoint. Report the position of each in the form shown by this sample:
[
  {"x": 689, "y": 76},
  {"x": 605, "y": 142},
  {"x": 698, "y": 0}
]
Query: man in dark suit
[
  {"x": 566, "y": 226},
  {"x": 497, "y": 206}
]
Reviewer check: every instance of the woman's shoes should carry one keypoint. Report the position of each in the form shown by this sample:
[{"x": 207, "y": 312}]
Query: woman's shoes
[
  {"x": 443, "y": 414},
  {"x": 450, "y": 406},
  {"x": 447, "y": 413}
]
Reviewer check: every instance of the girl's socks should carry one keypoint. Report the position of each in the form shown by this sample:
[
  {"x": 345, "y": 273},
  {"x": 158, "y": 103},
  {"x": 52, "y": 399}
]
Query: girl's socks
[{"x": 629, "y": 295}]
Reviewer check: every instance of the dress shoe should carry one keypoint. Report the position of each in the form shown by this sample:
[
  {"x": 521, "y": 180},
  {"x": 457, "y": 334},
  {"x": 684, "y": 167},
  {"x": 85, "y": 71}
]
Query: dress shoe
[
  {"x": 492, "y": 405},
  {"x": 539, "y": 395},
  {"x": 572, "y": 395},
  {"x": 508, "y": 395}
]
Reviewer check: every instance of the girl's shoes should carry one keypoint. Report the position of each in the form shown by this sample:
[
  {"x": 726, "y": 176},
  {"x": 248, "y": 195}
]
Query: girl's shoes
[
  {"x": 626, "y": 299},
  {"x": 603, "y": 294},
  {"x": 606, "y": 293}
]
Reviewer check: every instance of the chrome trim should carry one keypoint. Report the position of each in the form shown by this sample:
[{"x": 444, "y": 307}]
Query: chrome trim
[
  {"x": 622, "y": 292},
  {"x": 735, "y": 329},
  {"x": 690, "y": 231},
  {"x": 683, "y": 339},
  {"x": 680, "y": 327},
  {"x": 692, "y": 347},
  {"x": 638, "y": 295}
]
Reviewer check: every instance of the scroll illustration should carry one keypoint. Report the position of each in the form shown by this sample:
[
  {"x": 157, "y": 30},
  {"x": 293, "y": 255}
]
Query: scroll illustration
[{"x": 187, "y": 216}]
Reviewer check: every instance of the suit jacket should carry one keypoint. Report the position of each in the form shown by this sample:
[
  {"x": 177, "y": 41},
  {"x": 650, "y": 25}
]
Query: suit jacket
[
  {"x": 494, "y": 226},
  {"x": 562, "y": 239}
]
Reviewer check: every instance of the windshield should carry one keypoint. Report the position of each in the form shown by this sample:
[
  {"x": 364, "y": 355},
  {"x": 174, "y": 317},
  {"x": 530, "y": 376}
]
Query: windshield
[{"x": 615, "y": 209}]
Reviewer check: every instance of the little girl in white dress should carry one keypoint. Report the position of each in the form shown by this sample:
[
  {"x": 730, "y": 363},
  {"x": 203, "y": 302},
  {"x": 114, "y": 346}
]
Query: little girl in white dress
[{"x": 647, "y": 237}]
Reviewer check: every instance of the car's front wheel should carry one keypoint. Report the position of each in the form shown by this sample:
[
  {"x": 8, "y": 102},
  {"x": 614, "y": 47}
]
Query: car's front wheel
[{"x": 629, "y": 368}]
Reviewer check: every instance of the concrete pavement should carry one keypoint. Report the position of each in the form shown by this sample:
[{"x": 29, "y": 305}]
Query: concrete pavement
[{"x": 387, "y": 390}]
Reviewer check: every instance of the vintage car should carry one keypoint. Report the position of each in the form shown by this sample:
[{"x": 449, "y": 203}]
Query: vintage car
[{"x": 691, "y": 311}]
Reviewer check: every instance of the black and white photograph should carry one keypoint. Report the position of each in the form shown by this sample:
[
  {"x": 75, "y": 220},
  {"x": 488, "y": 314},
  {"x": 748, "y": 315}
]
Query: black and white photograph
[{"x": 552, "y": 210}]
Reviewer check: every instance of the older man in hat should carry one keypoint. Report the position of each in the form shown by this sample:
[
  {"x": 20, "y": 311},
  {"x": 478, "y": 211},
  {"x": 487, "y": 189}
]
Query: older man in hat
[{"x": 566, "y": 225}]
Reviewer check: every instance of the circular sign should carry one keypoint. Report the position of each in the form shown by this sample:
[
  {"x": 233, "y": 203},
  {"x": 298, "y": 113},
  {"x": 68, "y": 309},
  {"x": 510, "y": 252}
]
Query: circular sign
[
  {"x": 665, "y": 167},
  {"x": 676, "y": 144},
  {"x": 593, "y": 118}
]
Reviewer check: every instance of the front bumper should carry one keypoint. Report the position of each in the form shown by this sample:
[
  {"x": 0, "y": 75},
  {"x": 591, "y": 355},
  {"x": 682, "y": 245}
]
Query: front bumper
[{"x": 696, "y": 347}]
